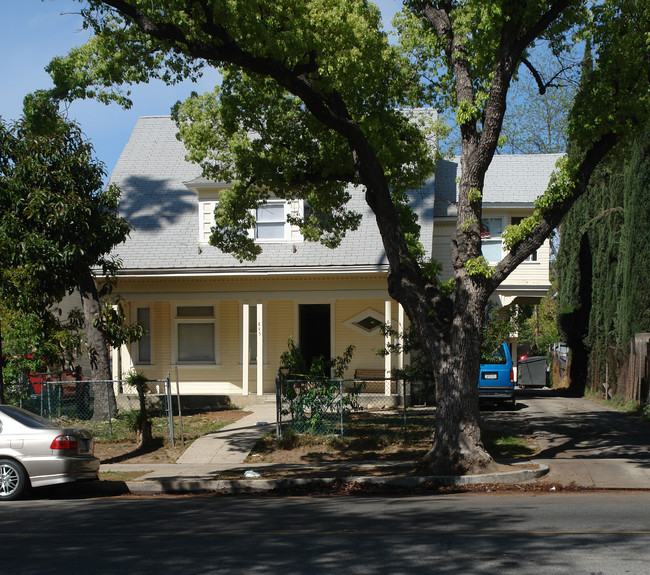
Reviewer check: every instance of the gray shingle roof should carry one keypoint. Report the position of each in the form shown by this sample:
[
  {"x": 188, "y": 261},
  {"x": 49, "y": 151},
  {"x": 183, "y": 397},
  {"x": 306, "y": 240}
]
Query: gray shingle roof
[
  {"x": 510, "y": 180},
  {"x": 152, "y": 173}
]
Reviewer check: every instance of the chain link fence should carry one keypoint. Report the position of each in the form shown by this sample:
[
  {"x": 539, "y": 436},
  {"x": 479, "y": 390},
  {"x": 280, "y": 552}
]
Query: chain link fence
[
  {"x": 353, "y": 408},
  {"x": 90, "y": 403}
]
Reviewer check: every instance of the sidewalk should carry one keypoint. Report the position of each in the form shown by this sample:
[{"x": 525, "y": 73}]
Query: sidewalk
[
  {"x": 199, "y": 468},
  {"x": 231, "y": 445}
]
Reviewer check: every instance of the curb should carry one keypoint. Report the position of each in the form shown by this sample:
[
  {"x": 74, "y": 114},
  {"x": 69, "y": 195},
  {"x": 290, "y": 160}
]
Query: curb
[{"x": 251, "y": 486}]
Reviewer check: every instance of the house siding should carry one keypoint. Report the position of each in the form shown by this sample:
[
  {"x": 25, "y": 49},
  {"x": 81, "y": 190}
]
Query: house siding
[
  {"x": 533, "y": 275},
  {"x": 366, "y": 345},
  {"x": 280, "y": 299}
]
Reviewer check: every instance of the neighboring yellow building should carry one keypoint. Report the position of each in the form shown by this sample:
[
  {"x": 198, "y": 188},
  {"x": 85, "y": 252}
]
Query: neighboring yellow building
[{"x": 221, "y": 325}]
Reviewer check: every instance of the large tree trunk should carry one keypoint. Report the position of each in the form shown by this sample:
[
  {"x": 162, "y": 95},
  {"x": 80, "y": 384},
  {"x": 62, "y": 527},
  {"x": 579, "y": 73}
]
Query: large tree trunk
[
  {"x": 452, "y": 344},
  {"x": 104, "y": 400},
  {"x": 457, "y": 447}
]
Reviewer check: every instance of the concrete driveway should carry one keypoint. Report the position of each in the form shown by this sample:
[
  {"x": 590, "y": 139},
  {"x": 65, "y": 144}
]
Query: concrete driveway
[
  {"x": 567, "y": 427},
  {"x": 585, "y": 443}
]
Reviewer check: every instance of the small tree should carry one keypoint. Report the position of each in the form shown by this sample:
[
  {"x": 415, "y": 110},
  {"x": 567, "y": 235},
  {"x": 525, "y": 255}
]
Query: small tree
[
  {"x": 142, "y": 422},
  {"x": 57, "y": 222}
]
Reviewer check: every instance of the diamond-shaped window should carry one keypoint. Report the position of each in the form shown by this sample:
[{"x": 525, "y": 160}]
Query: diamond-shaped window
[{"x": 368, "y": 323}]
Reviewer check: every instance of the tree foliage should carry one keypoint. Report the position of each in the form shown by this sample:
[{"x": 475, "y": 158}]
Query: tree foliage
[
  {"x": 56, "y": 220},
  {"x": 604, "y": 253},
  {"x": 310, "y": 102}
]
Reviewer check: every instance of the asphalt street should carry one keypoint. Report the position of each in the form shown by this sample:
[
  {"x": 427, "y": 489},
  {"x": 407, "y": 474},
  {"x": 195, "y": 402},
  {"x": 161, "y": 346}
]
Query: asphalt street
[{"x": 594, "y": 533}]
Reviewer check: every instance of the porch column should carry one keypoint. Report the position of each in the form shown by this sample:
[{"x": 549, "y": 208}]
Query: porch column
[
  {"x": 244, "y": 349},
  {"x": 388, "y": 321},
  {"x": 260, "y": 349}
]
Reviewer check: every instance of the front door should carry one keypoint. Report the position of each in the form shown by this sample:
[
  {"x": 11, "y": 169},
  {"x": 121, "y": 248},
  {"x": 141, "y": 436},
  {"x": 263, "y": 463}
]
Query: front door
[{"x": 315, "y": 331}]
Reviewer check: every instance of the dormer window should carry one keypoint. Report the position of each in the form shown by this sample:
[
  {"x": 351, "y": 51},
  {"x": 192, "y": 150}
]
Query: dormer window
[
  {"x": 270, "y": 218},
  {"x": 271, "y": 221}
]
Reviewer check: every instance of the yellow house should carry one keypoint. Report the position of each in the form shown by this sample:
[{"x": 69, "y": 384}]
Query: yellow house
[{"x": 220, "y": 325}]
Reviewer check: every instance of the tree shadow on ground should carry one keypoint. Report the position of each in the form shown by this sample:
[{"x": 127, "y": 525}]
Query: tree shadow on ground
[{"x": 154, "y": 445}]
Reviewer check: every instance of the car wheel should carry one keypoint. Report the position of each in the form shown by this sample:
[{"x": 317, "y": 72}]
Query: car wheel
[{"x": 13, "y": 480}]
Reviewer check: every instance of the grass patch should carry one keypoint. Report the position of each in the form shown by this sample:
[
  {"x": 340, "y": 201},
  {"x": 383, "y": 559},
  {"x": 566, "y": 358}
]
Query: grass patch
[
  {"x": 631, "y": 406},
  {"x": 506, "y": 446},
  {"x": 120, "y": 428},
  {"x": 115, "y": 442}
]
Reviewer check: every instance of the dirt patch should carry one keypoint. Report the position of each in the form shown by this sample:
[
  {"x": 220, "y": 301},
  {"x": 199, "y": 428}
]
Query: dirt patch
[
  {"x": 125, "y": 450},
  {"x": 506, "y": 435}
]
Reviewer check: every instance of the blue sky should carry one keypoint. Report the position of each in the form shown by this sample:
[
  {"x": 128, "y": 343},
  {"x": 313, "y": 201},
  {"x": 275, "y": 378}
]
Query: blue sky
[{"x": 32, "y": 32}]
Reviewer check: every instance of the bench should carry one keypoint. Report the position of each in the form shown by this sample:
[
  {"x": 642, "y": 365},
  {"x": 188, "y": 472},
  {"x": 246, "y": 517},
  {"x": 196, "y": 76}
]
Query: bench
[
  {"x": 370, "y": 374},
  {"x": 374, "y": 380}
]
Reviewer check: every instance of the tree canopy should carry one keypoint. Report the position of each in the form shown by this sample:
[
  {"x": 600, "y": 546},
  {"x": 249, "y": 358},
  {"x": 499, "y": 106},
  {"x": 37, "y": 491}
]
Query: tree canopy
[
  {"x": 604, "y": 264},
  {"x": 311, "y": 100},
  {"x": 57, "y": 222}
]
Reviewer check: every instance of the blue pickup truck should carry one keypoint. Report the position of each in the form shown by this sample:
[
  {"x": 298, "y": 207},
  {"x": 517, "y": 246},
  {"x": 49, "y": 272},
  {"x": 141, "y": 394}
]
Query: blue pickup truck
[{"x": 496, "y": 379}]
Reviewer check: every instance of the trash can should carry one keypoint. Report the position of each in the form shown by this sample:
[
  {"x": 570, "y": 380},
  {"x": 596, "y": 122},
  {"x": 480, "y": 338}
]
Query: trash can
[{"x": 531, "y": 371}]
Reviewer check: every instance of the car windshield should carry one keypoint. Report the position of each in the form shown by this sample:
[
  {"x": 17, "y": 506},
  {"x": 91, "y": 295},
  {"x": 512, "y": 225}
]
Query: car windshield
[{"x": 27, "y": 418}]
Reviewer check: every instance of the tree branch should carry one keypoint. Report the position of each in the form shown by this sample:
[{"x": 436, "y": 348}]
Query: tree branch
[
  {"x": 541, "y": 85},
  {"x": 328, "y": 108},
  {"x": 554, "y": 216}
]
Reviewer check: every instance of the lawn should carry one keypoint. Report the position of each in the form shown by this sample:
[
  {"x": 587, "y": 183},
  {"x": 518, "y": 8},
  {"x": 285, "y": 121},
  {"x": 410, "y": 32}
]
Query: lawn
[
  {"x": 368, "y": 436},
  {"x": 116, "y": 442}
]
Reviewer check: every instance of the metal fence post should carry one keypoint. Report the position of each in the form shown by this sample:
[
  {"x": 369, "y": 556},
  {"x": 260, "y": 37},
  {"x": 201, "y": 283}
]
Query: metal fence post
[
  {"x": 180, "y": 411},
  {"x": 110, "y": 416},
  {"x": 170, "y": 408},
  {"x": 49, "y": 400},
  {"x": 404, "y": 406},
  {"x": 278, "y": 406}
]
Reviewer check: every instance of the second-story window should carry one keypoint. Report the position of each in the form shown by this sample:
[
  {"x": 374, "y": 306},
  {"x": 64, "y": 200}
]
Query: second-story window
[
  {"x": 271, "y": 221},
  {"x": 491, "y": 230}
]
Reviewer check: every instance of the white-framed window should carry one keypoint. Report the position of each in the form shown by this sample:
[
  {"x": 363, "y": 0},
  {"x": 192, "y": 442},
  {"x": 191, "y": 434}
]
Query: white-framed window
[
  {"x": 195, "y": 334},
  {"x": 143, "y": 347},
  {"x": 271, "y": 221},
  {"x": 491, "y": 230}
]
